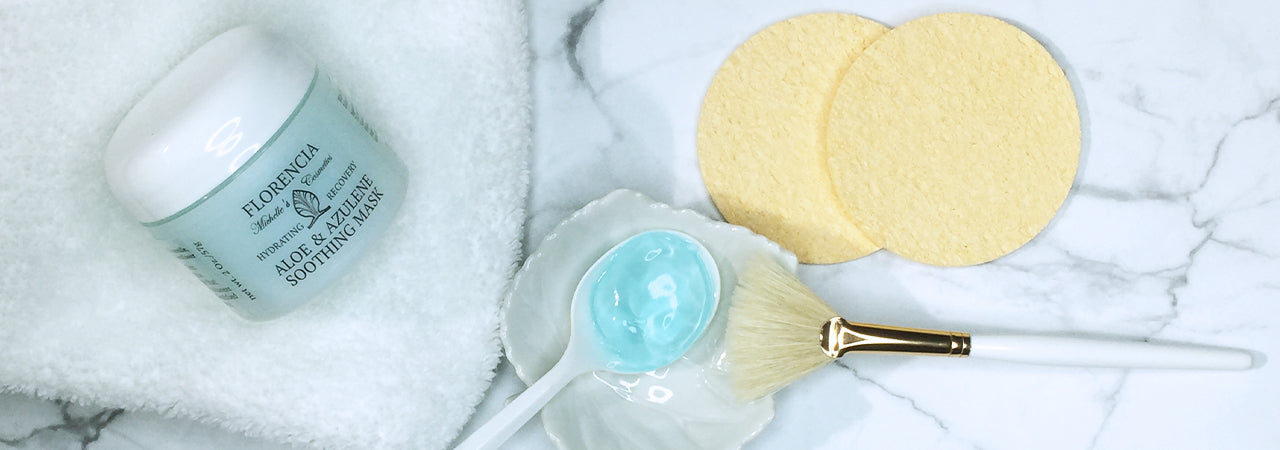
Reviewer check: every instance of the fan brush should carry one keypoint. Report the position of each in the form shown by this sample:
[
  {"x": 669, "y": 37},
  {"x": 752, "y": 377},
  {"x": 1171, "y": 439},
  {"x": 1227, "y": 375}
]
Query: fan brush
[{"x": 780, "y": 331}]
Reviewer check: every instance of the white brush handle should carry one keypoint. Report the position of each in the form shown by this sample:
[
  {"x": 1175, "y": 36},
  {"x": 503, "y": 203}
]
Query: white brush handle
[
  {"x": 502, "y": 426},
  {"x": 1064, "y": 351}
]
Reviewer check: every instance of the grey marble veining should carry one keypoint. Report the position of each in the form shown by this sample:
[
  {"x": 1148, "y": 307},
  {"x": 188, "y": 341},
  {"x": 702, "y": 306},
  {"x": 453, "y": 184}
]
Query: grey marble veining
[
  {"x": 1167, "y": 234},
  {"x": 70, "y": 425},
  {"x": 29, "y": 423}
]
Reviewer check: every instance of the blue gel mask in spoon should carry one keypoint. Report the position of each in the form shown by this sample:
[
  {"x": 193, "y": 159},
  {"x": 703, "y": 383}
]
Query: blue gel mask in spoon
[
  {"x": 645, "y": 302},
  {"x": 650, "y": 298}
]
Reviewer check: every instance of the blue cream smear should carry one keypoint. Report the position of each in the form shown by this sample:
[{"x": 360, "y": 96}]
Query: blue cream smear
[{"x": 651, "y": 298}]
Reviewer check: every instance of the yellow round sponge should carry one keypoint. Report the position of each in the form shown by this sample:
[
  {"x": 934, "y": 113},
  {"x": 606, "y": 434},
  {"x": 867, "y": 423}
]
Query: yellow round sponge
[
  {"x": 953, "y": 139},
  {"x": 762, "y": 134}
]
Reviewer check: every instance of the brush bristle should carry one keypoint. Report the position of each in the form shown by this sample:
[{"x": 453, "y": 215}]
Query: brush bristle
[{"x": 773, "y": 330}]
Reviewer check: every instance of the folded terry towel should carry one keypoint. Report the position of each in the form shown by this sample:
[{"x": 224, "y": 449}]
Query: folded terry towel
[{"x": 396, "y": 354}]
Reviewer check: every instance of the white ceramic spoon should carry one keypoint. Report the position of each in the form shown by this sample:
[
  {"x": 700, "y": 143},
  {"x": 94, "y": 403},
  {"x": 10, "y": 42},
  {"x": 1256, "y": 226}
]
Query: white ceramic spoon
[{"x": 631, "y": 279}]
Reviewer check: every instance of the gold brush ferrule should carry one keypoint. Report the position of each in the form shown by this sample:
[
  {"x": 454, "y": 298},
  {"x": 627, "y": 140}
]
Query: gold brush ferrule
[{"x": 840, "y": 336}]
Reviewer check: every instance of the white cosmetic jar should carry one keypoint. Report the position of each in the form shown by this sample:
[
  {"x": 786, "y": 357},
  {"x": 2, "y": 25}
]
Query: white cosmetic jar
[{"x": 254, "y": 170}]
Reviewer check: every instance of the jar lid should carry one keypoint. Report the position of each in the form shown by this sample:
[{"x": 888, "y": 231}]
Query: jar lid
[{"x": 204, "y": 120}]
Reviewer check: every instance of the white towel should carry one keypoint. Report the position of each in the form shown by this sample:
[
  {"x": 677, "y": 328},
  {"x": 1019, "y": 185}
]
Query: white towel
[{"x": 396, "y": 354}]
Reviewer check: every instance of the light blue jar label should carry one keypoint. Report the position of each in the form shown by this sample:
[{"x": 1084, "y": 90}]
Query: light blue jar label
[{"x": 295, "y": 216}]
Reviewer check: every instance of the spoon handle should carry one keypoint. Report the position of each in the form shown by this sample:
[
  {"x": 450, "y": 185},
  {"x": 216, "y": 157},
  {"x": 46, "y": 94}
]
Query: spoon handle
[{"x": 500, "y": 427}]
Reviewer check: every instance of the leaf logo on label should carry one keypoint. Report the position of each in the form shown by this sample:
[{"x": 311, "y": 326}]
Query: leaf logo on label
[{"x": 307, "y": 205}]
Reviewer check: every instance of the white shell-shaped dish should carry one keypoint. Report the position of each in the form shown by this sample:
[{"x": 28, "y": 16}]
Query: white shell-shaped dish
[{"x": 686, "y": 405}]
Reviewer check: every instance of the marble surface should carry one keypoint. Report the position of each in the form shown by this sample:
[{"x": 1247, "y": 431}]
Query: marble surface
[{"x": 1168, "y": 234}]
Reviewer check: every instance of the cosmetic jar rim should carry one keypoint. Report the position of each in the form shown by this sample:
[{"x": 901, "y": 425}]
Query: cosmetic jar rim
[{"x": 206, "y": 120}]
